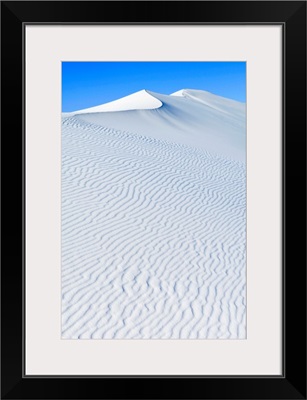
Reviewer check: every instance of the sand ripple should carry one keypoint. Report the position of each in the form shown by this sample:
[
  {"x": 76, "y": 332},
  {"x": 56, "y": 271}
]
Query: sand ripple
[{"x": 153, "y": 238}]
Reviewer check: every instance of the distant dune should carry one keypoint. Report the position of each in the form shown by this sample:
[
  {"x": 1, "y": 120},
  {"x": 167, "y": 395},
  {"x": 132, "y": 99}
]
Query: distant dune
[
  {"x": 192, "y": 117},
  {"x": 153, "y": 218}
]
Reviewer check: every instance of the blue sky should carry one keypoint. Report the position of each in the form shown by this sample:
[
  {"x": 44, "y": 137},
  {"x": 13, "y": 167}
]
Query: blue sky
[{"x": 88, "y": 84}]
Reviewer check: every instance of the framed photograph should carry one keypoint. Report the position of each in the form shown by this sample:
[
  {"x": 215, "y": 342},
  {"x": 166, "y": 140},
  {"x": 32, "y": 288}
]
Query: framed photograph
[{"x": 153, "y": 200}]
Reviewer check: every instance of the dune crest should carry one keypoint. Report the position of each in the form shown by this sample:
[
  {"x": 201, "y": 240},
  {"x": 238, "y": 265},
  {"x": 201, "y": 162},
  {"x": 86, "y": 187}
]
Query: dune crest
[{"x": 140, "y": 100}]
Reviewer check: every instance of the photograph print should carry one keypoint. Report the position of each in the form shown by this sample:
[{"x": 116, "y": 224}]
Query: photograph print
[{"x": 153, "y": 200}]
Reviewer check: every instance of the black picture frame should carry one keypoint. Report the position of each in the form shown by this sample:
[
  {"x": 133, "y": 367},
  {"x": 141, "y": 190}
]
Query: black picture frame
[{"x": 292, "y": 383}]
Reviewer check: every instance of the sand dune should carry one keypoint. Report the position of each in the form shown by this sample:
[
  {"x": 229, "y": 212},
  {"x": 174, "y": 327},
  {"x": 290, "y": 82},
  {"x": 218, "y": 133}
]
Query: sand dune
[
  {"x": 153, "y": 220},
  {"x": 181, "y": 119}
]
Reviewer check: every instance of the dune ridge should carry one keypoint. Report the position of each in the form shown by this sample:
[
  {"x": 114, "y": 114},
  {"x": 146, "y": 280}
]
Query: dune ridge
[{"x": 140, "y": 100}]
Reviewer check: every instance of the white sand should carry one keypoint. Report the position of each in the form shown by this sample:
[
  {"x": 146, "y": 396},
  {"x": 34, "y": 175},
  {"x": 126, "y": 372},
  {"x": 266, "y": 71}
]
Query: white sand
[{"x": 153, "y": 218}]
